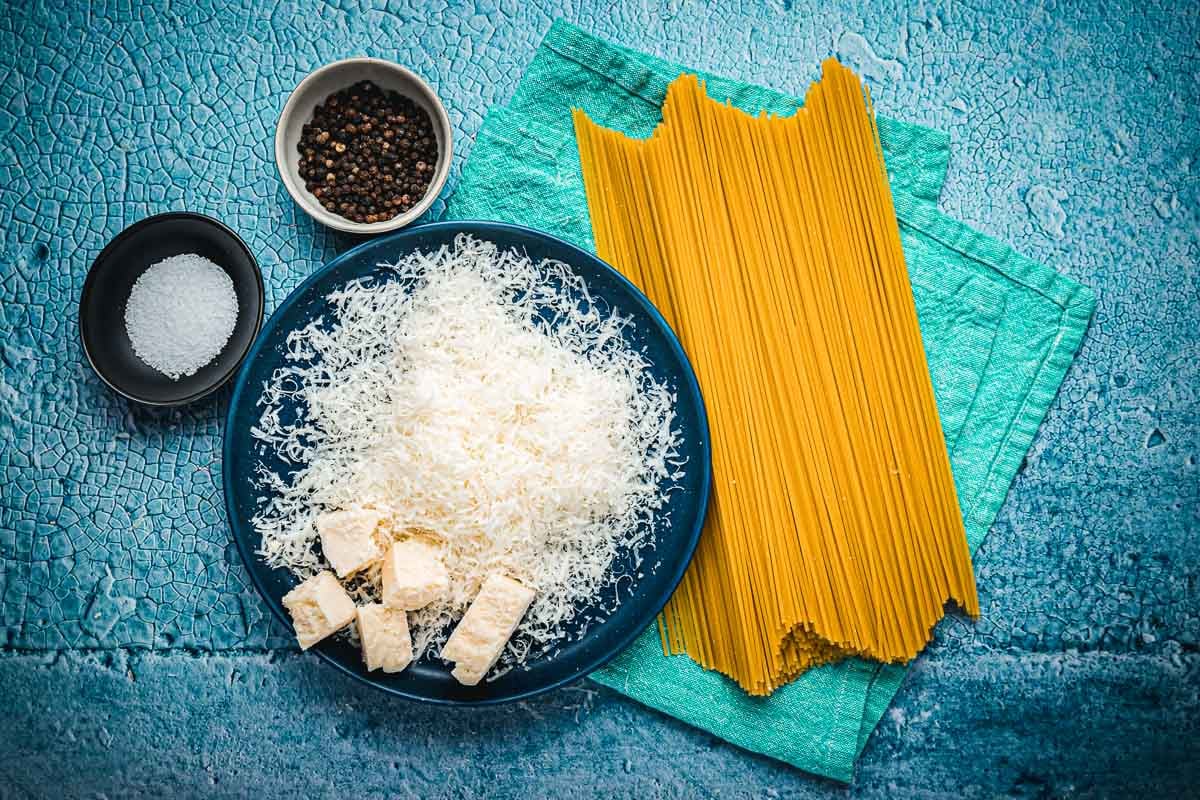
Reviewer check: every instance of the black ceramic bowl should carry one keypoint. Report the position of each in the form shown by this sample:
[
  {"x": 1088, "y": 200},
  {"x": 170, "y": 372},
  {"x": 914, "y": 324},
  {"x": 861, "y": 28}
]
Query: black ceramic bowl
[{"x": 111, "y": 278}]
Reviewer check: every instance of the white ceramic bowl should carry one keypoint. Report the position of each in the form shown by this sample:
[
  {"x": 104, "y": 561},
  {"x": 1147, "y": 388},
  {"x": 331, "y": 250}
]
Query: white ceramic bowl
[{"x": 332, "y": 78}]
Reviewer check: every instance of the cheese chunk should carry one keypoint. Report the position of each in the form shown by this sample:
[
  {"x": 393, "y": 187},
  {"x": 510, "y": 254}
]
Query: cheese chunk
[
  {"x": 477, "y": 642},
  {"x": 348, "y": 539},
  {"x": 386, "y": 643},
  {"x": 319, "y": 607},
  {"x": 413, "y": 575}
]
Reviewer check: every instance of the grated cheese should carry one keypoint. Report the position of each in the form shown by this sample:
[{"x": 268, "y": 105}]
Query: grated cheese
[{"x": 486, "y": 404}]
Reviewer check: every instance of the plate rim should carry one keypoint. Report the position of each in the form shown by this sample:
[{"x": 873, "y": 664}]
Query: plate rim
[{"x": 477, "y": 228}]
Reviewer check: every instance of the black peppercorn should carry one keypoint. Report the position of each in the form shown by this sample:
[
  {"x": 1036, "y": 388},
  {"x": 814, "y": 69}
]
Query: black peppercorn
[{"x": 367, "y": 154}]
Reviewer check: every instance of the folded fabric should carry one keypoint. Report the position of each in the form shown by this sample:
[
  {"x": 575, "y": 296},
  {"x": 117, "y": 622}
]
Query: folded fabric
[{"x": 999, "y": 330}]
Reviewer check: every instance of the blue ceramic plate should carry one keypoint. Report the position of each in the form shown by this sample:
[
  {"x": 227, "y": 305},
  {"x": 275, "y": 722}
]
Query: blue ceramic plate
[{"x": 674, "y": 538}]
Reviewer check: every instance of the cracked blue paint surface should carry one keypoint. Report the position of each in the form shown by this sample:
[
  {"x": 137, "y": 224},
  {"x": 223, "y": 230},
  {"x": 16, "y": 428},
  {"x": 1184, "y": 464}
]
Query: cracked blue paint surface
[{"x": 134, "y": 648}]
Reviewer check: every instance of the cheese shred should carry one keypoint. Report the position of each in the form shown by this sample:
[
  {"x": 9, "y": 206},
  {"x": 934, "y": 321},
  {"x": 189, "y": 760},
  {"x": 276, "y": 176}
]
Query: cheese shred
[{"x": 484, "y": 403}]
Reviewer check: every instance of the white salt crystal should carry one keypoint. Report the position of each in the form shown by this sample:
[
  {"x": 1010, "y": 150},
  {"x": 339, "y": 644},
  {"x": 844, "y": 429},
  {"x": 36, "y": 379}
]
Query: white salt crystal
[{"x": 180, "y": 313}]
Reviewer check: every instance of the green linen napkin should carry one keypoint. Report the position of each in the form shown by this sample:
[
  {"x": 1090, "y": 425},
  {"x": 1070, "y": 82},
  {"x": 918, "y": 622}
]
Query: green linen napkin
[{"x": 999, "y": 330}]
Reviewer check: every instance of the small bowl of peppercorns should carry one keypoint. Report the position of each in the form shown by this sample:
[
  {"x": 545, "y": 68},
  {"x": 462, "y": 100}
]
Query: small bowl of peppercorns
[{"x": 363, "y": 145}]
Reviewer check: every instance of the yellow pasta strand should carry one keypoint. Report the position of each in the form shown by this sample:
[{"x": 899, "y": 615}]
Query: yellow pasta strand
[{"x": 771, "y": 246}]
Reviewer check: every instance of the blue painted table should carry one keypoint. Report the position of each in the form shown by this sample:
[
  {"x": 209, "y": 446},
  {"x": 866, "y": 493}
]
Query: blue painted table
[{"x": 137, "y": 661}]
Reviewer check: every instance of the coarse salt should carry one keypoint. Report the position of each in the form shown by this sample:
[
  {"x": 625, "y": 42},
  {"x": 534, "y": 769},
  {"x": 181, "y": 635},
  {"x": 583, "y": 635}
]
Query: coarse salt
[{"x": 180, "y": 313}]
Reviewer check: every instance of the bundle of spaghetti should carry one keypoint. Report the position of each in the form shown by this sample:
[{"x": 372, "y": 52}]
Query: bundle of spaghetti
[{"x": 771, "y": 246}]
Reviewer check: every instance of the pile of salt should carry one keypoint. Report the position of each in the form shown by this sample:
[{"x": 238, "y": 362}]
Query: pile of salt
[{"x": 180, "y": 313}]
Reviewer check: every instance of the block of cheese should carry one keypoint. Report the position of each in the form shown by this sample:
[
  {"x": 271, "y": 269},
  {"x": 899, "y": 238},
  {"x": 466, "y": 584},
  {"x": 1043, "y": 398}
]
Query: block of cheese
[
  {"x": 348, "y": 539},
  {"x": 386, "y": 643},
  {"x": 319, "y": 607},
  {"x": 477, "y": 642},
  {"x": 413, "y": 575}
]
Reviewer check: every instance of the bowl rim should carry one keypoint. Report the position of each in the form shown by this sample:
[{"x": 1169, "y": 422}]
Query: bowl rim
[
  {"x": 316, "y": 210},
  {"x": 657, "y": 602},
  {"x": 89, "y": 286}
]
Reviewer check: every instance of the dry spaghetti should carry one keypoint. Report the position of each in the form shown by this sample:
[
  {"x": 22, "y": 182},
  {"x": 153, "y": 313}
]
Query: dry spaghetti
[{"x": 771, "y": 245}]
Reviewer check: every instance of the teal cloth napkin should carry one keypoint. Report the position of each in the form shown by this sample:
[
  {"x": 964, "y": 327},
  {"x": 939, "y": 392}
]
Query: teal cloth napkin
[{"x": 999, "y": 330}]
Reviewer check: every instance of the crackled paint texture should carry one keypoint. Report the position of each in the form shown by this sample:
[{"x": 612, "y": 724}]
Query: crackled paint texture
[{"x": 136, "y": 659}]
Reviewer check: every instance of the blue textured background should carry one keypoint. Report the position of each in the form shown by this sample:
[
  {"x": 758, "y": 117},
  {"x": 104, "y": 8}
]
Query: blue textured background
[{"x": 137, "y": 661}]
